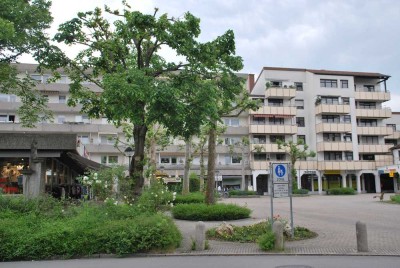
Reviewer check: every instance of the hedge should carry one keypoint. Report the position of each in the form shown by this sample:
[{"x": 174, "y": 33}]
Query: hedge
[
  {"x": 203, "y": 212},
  {"x": 341, "y": 191}
]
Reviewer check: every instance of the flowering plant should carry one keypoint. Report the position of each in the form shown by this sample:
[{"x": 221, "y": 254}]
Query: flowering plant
[
  {"x": 287, "y": 229},
  {"x": 156, "y": 197}
]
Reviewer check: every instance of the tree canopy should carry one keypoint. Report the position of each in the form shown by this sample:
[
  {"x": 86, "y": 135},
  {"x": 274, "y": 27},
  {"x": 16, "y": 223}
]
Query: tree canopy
[
  {"x": 23, "y": 24},
  {"x": 140, "y": 86}
]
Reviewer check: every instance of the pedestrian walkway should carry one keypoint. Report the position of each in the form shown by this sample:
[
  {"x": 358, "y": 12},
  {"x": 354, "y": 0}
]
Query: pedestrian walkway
[{"x": 332, "y": 217}]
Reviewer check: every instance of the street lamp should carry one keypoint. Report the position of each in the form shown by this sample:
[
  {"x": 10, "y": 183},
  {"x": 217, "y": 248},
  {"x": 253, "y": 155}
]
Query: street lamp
[{"x": 129, "y": 152}]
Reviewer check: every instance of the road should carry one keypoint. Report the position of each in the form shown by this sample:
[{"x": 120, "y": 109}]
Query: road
[{"x": 270, "y": 261}]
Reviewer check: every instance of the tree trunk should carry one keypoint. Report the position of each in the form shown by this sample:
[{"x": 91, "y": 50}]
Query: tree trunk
[
  {"x": 137, "y": 163},
  {"x": 210, "y": 199},
  {"x": 202, "y": 169},
  {"x": 188, "y": 160}
]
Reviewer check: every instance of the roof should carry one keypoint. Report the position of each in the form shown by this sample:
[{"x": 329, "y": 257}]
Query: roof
[
  {"x": 79, "y": 163},
  {"x": 331, "y": 72}
]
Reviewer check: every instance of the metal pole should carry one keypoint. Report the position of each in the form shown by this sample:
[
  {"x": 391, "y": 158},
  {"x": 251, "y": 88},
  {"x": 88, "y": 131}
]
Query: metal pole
[
  {"x": 291, "y": 205},
  {"x": 272, "y": 194}
]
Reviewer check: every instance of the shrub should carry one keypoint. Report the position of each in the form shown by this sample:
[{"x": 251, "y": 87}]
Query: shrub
[
  {"x": 83, "y": 230},
  {"x": 341, "y": 191},
  {"x": 194, "y": 183},
  {"x": 203, "y": 212},
  {"x": 156, "y": 197},
  {"x": 300, "y": 191},
  {"x": 267, "y": 240},
  {"x": 190, "y": 198},
  {"x": 243, "y": 234},
  {"x": 240, "y": 193},
  {"x": 395, "y": 198}
]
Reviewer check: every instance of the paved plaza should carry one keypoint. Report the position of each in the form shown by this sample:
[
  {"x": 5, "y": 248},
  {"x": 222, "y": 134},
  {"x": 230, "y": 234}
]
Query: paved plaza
[{"x": 332, "y": 217}]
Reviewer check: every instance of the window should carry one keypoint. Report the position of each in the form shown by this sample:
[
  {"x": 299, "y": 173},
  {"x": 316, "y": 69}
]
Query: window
[
  {"x": 299, "y": 86},
  {"x": 274, "y": 138},
  {"x": 83, "y": 139},
  {"x": 348, "y": 156},
  {"x": 328, "y": 83},
  {"x": 301, "y": 137},
  {"x": 347, "y": 118},
  {"x": 260, "y": 157},
  {"x": 392, "y": 126},
  {"x": 369, "y": 140},
  {"x": 328, "y": 118},
  {"x": 231, "y": 140},
  {"x": 346, "y": 101},
  {"x": 300, "y": 121},
  {"x": 276, "y": 121},
  {"x": 36, "y": 77},
  {"x": 332, "y": 155},
  {"x": 7, "y": 98},
  {"x": 347, "y": 137},
  {"x": 299, "y": 104},
  {"x": 232, "y": 159},
  {"x": 344, "y": 83},
  {"x": 367, "y": 123},
  {"x": 259, "y": 139},
  {"x": 107, "y": 139},
  {"x": 275, "y": 102},
  {"x": 368, "y": 157},
  {"x": 330, "y": 100},
  {"x": 391, "y": 141},
  {"x": 369, "y": 88},
  {"x": 280, "y": 157},
  {"x": 233, "y": 122},
  {"x": 331, "y": 136},
  {"x": 85, "y": 119},
  {"x": 4, "y": 118},
  {"x": 276, "y": 83},
  {"x": 109, "y": 159},
  {"x": 60, "y": 119},
  {"x": 366, "y": 105},
  {"x": 62, "y": 99},
  {"x": 258, "y": 120}
]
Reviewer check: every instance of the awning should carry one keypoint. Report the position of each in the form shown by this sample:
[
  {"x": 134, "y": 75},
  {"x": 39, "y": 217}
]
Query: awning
[
  {"x": 273, "y": 115},
  {"x": 78, "y": 163}
]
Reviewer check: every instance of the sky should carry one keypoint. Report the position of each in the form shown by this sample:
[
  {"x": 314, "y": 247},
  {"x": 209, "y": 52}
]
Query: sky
[{"x": 346, "y": 35}]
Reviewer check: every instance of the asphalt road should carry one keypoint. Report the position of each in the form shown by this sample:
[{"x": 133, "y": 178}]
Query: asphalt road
[{"x": 218, "y": 261}]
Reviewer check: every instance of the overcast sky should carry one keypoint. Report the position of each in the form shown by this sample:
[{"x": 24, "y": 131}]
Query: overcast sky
[{"x": 347, "y": 35}]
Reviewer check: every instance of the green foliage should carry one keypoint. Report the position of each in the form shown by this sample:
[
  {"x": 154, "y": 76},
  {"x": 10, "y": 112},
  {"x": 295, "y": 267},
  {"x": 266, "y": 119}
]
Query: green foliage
[
  {"x": 30, "y": 231},
  {"x": 341, "y": 191},
  {"x": 301, "y": 233},
  {"x": 266, "y": 241},
  {"x": 20, "y": 35},
  {"x": 196, "y": 197},
  {"x": 395, "y": 198},
  {"x": 194, "y": 183},
  {"x": 300, "y": 191},
  {"x": 243, "y": 234},
  {"x": 240, "y": 193},
  {"x": 203, "y": 212},
  {"x": 156, "y": 197}
]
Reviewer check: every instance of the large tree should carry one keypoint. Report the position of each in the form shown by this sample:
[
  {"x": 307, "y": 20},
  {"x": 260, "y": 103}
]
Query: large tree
[
  {"x": 23, "y": 24},
  {"x": 138, "y": 85}
]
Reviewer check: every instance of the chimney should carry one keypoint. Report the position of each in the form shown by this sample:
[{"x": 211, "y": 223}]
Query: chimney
[{"x": 250, "y": 80}]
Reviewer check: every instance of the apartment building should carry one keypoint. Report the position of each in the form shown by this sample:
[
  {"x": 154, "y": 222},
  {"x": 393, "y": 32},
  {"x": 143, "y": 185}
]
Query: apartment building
[{"x": 340, "y": 115}]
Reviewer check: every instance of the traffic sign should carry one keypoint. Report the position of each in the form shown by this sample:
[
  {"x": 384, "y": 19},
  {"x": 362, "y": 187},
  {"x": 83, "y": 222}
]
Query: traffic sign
[
  {"x": 280, "y": 173},
  {"x": 281, "y": 190}
]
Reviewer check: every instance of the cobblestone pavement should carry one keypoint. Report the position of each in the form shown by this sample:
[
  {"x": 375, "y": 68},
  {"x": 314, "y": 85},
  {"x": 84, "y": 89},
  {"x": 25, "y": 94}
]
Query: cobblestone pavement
[{"x": 332, "y": 217}]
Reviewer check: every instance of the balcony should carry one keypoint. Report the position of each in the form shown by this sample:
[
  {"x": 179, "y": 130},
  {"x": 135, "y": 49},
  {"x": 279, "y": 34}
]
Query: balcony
[
  {"x": 333, "y": 127},
  {"x": 334, "y": 146},
  {"x": 275, "y": 110},
  {"x": 273, "y": 129},
  {"x": 60, "y": 128},
  {"x": 374, "y": 148},
  {"x": 379, "y": 131},
  {"x": 265, "y": 165},
  {"x": 346, "y": 165},
  {"x": 280, "y": 92},
  {"x": 102, "y": 148},
  {"x": 374, "y": 113},
  {"x": 269, "y": 148},
  {"x": 240, "y": 130},
  {"x": 332, "y": 109},
  {"x": 395, "y": 135},
  {"x": 371, "y": 96},
  {"x": 9, "y": 106}
]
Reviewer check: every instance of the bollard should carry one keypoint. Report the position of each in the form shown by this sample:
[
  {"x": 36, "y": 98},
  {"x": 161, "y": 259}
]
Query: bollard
[
  {"x": 277, "y": 229},
  {"x": 200, "y": 235},
  {"x": 362, "y": 238}
]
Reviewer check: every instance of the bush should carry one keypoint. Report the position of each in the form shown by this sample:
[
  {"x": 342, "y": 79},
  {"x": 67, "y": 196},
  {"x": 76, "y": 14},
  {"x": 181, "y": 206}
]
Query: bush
[
  {"x": 190, "y": 198},
  {"x": 156, "y": 197},
  {"x": 240, "y": 193},
  {"x": 83, "y": 230},
  {"x": 203, "y": 212},
  {"x": 242, "y": 234},
  {"x": 300, "y": 191},
  {"x": 395, "y": 198},
  {"x": 341, "y": 191},
  {"x": 267, "y": 240},
  {"x": 194, "y": 183}
]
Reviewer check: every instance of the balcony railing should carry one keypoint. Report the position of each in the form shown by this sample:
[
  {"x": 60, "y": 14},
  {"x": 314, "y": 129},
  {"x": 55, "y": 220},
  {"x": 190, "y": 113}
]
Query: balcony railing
[
  {"x": 379, "y": 131},
  {"x": 332, "y": 109},
  {"x": 275, "y": 110},
  {"x": 334, "y": 146},
  {"x": 273, "y": 129},
  {"x": 333, "y": 127},
  {"x": 374, "y": 113},
  {"x": 281, "y": 92},
  {"x": 375, "y": 95}
]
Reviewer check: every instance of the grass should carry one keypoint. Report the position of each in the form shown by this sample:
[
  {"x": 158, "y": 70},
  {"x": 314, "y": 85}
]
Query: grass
[{"x": 395, "y": 199}]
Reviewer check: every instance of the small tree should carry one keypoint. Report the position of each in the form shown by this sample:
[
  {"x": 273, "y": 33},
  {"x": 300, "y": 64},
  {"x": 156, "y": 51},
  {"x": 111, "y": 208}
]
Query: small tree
[{"x": 296, "y": 150}]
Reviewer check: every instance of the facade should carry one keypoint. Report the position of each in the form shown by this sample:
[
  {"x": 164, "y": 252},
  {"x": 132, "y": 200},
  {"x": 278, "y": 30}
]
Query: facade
[{"x": 340, "y": 115}]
